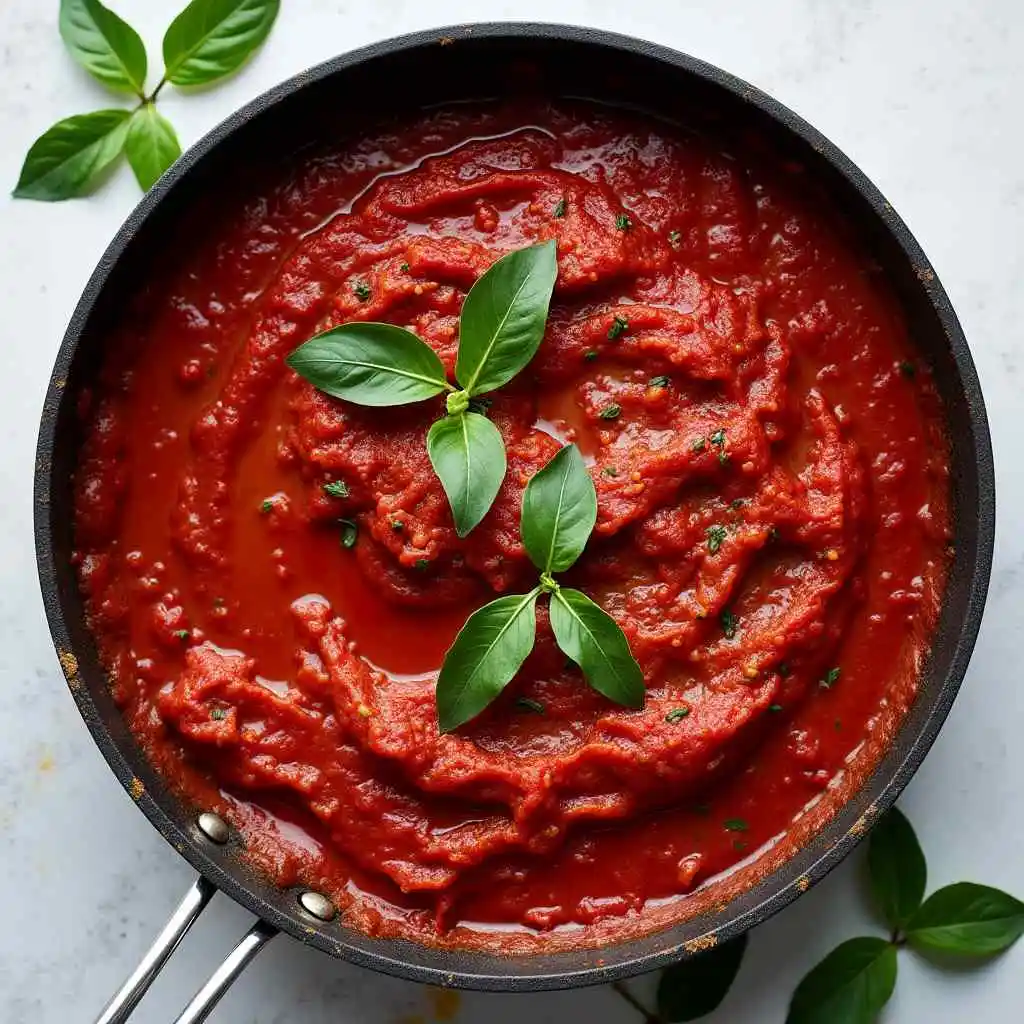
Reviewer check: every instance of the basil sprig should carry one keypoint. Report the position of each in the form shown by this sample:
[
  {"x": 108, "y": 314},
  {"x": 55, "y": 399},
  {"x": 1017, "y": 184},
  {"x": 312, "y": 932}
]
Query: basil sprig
[
  {"x": 558, "y": 515},
  {"x": 209, "y": 39},
  {"x": 500, "y": 328}
]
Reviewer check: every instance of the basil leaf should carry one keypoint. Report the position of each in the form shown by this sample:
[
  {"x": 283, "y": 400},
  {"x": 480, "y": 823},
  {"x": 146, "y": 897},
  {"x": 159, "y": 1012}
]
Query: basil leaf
[
  {"x": 503, "y": 318},
  {"x": 212, "y": 38},
  {"x": 151, "y": 146},
  {"x": 487, "y": 653},
  {"x": 370, "y": 364},
  {"x": 593, "y": 639},
  {"x": 107, "y": 47},
  {"x": 559, "y": 511},
  {"x": 897, "y": 868},
  {"x": 68, "y": 159},
  {"x": 696, "y": 987},
  {"x": 850, "y": 986},
  {"x": 966, "y": 918},
  {"x": 468, "y": 456}
]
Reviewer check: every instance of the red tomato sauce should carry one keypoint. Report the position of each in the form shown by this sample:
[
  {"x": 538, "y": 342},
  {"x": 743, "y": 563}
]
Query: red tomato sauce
[{"x": 772, "y": 532}]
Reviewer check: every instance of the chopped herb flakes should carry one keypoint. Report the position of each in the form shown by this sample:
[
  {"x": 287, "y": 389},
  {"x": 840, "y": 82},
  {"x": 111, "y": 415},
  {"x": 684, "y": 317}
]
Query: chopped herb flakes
[
  {"x": 422, "y": 563},
  {"x": 397, "y": 525},
  {"x": 623, "y": 223},
  {"x": 907, "y": 369},
  {"x": 723, "y": 458},
  {"x": 831, "y": 678},
  {"x": 404, "y": 268},
  {"x": 784, "y": 669},
  {"x": 527, "y": 704},
  {"x": 773, "y": 534},
  {"x": 609, "y": 471},
  {"x": 699, "y": 445},
  {"x": 362, "y": 290},
  {"x": 739, "y": 845},
  {"x": 336, "y": 489},
  {"x": 619, "y": 327},
  {"x": 735, "y": 825},
  {"x": 716, "y": 536},
  {"x": 718, "y": 437},
  {"x": 610, "y": 412},
  {"x": 182, "y": 634},
  {"x": 266, "y": 506},
  {"x": 560, "y": 207},
  {"x": 676, "y": 715},
  {"x": 660, "y": 382},
  {"x": 349, "y": 532},
  {"x": 218, "y": 714},
  {"x": 774, "y": 708},
  {"x": 737, "y": 503},
  {"x": 590, "y": 355},
  {"x": 673, "y": 238},
  {"x": 729, "y": 621}
]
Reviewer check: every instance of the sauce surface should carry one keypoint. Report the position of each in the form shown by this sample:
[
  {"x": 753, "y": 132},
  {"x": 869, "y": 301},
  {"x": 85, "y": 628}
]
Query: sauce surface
[{"x": 772, "y": 531}]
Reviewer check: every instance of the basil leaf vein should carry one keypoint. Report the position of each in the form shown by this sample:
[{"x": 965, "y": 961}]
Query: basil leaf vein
[
  {"x": 696, "y": 987},
  {"x": 559, "y": 511},
  {"x": 104, "y": 44},
  {"x": 592, "y": 638},
  {"x": 371, "y": 364},
  {"x": 489, "y": 650},
  {"x": 503, "y": 318},
  {"x": 68, "y": 159},
  {"x": 967, "y": 918},
  {"x": 850, "y": 986},
  {"x": 468, "y": 455},
  {"x": 151, "y": 145},
  {"x": 897, "y": 869},
  {"x": 212, "y": 38}
]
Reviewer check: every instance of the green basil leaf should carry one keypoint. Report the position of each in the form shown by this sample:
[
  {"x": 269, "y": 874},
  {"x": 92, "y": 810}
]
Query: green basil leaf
[
  {"x": 487, "y": 653},
  {"x": 468, "y": 455},
  {"x": 151, "y": 146},
  {"x": 593, "y": 639},
  {"x": 503, "y": 318},
  {"x": 107, "y": 47},
  {"x": 850, "y": 986},
  {"x": 370, "y": 364},
  {"x": 694, "y": 988},
  {"x": 68, "y": 159},
  {"x": 559, "y": 511},
  {"x": 897, "y": 868},
  {"x": 967, "y": 918},
  {"x": 212, "y": 38}
]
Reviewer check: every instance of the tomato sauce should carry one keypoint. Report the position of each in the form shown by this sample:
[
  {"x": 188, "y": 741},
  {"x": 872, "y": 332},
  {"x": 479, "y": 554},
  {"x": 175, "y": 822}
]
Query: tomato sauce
[{"x": 772, "y": 532}]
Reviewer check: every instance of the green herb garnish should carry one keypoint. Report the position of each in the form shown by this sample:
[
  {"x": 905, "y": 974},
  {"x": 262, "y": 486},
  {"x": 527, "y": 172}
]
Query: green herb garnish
[
  {"x": 907, "y": 369},
  {"x": 218, "y": 714},
  {"x": 673, "y": 238},
  {"x": 830, "y": 679},
  {"x": 559, "y": 512},
  {"x": 560, "y": 207},
  {"x": 729, "y": 622},
  {"x": 735, "y": 825},
  {"x": 266, "y": 506},
  {"x": 677, "y": 715},
  {"x": 660, "y": 382},
  {"x": 622, "y": 222},
  {"x": 183, "y": 634},
  {"x": 590, "y": 355},
  {"x": 336, "y": 489},
  {"x": 610, "y": 412},
  {"x": 718, "y": 437},
  {"x": 716, "y": 536},
  {"x": 528, "y": 704},
  {"x": 349, "y": 532},
  {"x": 699, "y": 445},
  {"x": 619, "y": 327},
  {"x": 362, "y": 290}
]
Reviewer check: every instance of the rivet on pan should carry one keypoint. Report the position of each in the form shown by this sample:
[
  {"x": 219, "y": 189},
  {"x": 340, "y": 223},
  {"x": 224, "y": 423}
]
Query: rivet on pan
[
  {"x": 318, "y": 905},
  {"x": 214, "y": 827}
]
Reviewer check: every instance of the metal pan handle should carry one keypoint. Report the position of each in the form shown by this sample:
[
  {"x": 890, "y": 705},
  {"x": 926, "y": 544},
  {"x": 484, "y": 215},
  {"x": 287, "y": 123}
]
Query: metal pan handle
[{"x": 127, "y": 997}]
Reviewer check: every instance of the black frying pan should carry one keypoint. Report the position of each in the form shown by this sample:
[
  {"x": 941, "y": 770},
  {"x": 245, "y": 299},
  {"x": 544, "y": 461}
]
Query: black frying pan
[{"x": 447, "y": 65}]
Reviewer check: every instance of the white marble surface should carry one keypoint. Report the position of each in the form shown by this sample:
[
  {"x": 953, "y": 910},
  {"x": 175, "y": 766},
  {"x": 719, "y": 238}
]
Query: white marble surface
[{"x": 923, "y": 94}]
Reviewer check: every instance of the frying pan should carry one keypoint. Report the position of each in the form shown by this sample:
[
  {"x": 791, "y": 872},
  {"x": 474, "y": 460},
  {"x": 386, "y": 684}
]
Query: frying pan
[{"x": 396, "y": 77}]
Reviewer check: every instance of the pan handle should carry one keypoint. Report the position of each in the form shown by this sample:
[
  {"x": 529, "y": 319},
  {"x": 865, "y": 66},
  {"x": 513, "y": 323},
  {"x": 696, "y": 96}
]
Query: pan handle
[
  {"x": 232, "y": 966},
  {"x": 127, "y": 997}
]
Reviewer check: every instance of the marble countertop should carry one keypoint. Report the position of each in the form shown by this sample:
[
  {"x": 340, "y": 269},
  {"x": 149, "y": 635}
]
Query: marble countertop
[{"x": 924, "y": 96}]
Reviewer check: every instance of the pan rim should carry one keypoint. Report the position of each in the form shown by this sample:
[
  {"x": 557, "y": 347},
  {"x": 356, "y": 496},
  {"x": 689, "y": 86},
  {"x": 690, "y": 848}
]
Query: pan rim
[{"x": 836, "y": 839}]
